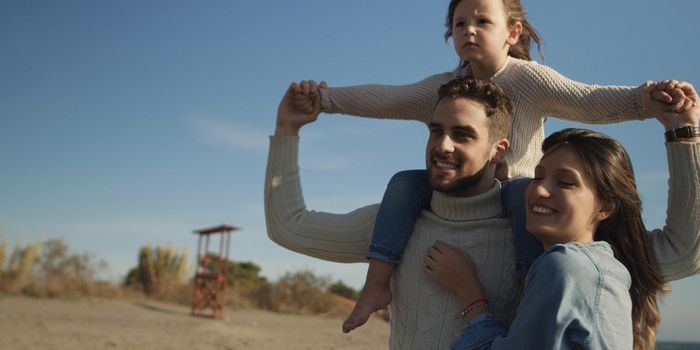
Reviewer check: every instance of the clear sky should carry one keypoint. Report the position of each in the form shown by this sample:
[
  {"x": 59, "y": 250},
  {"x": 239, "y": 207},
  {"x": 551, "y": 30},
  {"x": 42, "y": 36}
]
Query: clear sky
[{"x": 132, "y": 122}]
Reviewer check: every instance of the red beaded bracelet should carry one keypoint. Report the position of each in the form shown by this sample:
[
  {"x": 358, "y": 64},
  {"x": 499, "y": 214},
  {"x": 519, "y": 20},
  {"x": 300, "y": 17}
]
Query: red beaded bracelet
[{"x": 473, "y": 305}]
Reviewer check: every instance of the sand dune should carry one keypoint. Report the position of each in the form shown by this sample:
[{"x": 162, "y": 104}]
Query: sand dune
[{"x": 27, "y": 323}]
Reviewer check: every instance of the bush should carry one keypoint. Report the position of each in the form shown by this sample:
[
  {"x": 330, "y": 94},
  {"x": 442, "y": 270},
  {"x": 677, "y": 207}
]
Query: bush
[
  {"x": 345, "y": 291},
  {"x": 160, "y": 271},
  {"x": 303, "y": 292},
  {"x": 48, "y": 270}
]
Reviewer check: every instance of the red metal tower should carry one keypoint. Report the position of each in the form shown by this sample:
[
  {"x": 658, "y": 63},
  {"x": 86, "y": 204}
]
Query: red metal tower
[{"x": 210, "y": 274}]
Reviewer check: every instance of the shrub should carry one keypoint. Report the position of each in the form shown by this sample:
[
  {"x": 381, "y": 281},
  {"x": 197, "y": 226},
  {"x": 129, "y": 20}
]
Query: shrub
[
  {"x": 159, "y": 271},
  {"x": 303, "y": 292},
  {"x": 48, "y": 270},
  {"x": 345, "y": 291}
]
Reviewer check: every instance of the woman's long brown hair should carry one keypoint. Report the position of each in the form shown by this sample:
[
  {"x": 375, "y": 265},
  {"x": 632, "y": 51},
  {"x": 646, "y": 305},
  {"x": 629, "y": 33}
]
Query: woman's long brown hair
[{"x": 609, "y": 167}]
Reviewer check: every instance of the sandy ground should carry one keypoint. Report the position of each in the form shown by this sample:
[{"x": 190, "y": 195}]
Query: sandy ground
[{"x": 27, "y": 323}]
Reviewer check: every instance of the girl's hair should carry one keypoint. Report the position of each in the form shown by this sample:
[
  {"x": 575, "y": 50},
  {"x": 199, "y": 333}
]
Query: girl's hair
[
  {"x": 608, "y": 166},
  {"x": 514, "y": 13}
]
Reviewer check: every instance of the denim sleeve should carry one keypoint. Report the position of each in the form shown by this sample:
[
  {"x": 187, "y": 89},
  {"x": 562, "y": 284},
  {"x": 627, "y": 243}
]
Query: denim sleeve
[
  {"x": 407, "y": 193},
  {"x": 553, "y": 312},
  {"x": 479, "y": 333}
]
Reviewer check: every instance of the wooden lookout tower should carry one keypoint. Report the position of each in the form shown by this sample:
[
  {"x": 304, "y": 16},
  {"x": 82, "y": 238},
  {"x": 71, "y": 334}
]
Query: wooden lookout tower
[{"x": 210, "y": 274}]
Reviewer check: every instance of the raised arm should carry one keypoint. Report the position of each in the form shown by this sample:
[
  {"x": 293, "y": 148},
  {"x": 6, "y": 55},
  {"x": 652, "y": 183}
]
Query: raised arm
[
  {"x": 333, "y": 237},
  {"x": 677, "y": 244}
]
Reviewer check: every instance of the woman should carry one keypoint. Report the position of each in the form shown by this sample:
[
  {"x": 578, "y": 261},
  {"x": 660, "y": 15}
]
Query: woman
[{"x": 596, "y": 284}]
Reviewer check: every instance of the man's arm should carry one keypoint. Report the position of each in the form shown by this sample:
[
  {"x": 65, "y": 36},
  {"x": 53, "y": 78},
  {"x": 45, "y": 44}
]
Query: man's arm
[
  {"x": 677, "y": 246},
  {"x": 333, "y": 237}
]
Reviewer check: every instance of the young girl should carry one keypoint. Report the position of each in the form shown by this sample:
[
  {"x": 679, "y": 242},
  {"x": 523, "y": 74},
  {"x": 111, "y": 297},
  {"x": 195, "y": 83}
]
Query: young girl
[
  {"x": 596, "y": 285},
  {"x": 492, "y": 39}
]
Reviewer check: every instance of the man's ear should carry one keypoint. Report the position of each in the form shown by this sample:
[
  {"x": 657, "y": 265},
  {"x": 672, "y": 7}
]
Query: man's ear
[
  {"x": 514, "y": 34},
  {"x": 499, "y": 150}
]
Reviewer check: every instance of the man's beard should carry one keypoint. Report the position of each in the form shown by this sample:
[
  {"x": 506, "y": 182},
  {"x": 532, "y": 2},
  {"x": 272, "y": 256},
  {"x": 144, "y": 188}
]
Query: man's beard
[{"x": 462, "y": 184}]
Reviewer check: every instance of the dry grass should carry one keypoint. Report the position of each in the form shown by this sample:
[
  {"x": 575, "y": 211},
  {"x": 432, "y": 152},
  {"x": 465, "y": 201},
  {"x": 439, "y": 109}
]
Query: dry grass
[{"x": 48, "y": 269}]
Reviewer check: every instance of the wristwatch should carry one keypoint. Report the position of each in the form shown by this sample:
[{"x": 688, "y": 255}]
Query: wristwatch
[{"x": 684, "y": 132}]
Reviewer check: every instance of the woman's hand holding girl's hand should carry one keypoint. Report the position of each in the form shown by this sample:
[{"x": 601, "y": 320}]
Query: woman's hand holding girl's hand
[
  {"x": 453, "y": 270},
  {"x": 305, "y": 93}
]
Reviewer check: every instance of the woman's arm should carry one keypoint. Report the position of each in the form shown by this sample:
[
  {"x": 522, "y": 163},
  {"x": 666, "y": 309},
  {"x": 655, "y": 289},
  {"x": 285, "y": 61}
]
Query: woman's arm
[{"x": 558, "y": 310}]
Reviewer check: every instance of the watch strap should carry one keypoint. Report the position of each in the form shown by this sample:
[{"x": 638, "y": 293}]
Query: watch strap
[{"x": 684, "y": 132}]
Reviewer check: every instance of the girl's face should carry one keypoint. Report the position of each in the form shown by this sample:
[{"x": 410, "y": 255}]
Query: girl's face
[
  {"x": 480, "y": 31},
  {"x": 561, "y": 201}
]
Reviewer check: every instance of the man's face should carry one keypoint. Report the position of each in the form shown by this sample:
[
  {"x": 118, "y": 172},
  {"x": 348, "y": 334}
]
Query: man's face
[{"x": 459, "y": 153}]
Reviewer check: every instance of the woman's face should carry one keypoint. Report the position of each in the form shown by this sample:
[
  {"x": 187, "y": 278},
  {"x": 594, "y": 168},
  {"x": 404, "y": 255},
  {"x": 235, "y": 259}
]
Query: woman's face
[{"x": 561, "y": 201}]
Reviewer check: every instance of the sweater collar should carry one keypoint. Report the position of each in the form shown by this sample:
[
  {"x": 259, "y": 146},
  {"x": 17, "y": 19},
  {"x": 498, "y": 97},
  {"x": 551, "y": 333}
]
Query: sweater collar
[
  {"x": 482, "y": 206},
  {"x": 467, "y": 70}
]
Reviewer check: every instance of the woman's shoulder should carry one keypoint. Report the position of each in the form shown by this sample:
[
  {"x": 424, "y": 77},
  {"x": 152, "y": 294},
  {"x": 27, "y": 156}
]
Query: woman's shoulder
[
  {"x": 582, "y": 261},
  {"x": 574, "y": 257}
]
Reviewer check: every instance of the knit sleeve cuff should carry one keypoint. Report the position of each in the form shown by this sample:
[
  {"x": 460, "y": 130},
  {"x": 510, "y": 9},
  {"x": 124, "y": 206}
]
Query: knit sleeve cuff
[
  {"x": 638, "y": 106},
  {"x": 325, "y": 100}
]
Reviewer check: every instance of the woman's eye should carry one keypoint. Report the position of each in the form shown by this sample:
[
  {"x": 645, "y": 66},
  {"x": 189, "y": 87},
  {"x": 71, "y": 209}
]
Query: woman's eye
[{"x": 566, "y": 184}]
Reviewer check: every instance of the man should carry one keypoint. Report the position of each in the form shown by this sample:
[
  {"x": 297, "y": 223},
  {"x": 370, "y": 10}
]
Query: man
[{"x": 467, "y": 139}]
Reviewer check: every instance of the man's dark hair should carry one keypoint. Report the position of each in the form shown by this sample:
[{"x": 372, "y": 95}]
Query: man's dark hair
[{"x": 498, "y": 107}]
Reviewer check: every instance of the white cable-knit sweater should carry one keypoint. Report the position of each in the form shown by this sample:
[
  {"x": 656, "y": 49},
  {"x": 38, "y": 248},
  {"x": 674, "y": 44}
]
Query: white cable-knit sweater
[
  {"x": 537, "y": 92},
  {"x": 423, "y": 316}
]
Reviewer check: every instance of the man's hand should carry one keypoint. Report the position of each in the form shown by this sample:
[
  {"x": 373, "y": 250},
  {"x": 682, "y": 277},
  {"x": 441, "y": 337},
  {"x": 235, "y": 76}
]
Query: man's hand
[
  {"x": 453, "y": 270},
  {"x": 290, "y": 117}
]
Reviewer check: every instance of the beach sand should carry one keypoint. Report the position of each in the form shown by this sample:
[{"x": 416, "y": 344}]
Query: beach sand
[{"x": 28, "y": 323}]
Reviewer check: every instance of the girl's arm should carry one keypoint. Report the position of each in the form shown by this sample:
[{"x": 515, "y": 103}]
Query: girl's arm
[
  {"x": 551, "y": 94},
  {"x": 414, "y": 101}
]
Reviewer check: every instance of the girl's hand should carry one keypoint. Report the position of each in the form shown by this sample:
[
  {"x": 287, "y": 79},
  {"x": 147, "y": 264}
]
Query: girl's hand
[
  {"x": 667, "y": 96},
  {"x": 454, "y": 271},
  {"x": 305, "y": 93},
  {"x": 687, "y": 111}
]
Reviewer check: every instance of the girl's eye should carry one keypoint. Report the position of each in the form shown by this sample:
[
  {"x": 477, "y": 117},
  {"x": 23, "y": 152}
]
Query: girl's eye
[
  {"x": 484, "y": 21},
  {"x": 459, "y": 24}
]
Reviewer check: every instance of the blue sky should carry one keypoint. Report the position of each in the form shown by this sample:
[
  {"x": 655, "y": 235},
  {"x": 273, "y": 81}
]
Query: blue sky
[{"x": 130, "y": 122}]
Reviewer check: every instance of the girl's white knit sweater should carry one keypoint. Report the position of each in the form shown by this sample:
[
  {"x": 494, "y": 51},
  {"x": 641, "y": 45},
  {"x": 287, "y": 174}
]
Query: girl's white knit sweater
[{"x": 536, "y": 91}]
